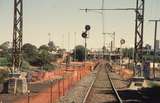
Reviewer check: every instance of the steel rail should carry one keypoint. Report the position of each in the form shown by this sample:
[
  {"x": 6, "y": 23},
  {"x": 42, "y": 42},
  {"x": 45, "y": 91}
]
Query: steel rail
[
  {"x": 114, "y": 89},
  {"x": 88, "y": 92},
  {"x": 112, "y": 86},
  {"x": 91, "y": 86}
]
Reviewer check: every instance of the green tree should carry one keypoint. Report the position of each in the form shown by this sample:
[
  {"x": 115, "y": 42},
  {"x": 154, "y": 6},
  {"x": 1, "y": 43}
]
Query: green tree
[
  {"x": 4, "y": 45},
  {"x": 5, "y": 54},
  {"x": 80, "y": 52},
  {"x": 45, "y": 59},
  {"x": 30, "y": 53},
  {"x": 4, "y": 49},
  {"x": 128, "y": 52},
  {"x": 44, "y": 47},
  {"x": 61, "y": 52},
  {"x": 51, "y": 46},
  {"x": 25, "y": 65}
]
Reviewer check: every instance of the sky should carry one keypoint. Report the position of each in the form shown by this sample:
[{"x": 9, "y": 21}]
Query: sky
[{"x": 65, "y": 22}]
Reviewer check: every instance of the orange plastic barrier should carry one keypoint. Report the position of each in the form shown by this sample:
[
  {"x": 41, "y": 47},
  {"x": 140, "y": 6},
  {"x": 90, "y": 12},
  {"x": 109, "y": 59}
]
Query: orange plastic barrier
[{"x": 55, "y": 91}]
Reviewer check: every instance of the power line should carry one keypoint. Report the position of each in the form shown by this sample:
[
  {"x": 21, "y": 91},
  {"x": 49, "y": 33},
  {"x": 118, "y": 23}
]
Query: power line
[{"x": 86, "y": 10}]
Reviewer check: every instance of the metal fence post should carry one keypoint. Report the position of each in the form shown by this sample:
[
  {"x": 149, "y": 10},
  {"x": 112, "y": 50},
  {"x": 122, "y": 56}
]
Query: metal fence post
[
  {"x": 28, "y": 96},
  {"x": 51, "y": 89},
  {"x": 59, "y": 90}
]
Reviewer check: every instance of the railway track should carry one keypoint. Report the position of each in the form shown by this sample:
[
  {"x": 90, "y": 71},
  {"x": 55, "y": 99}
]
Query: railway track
[
  {"x": 102, "y": 89},
  {"x": 98, "y": 88}
]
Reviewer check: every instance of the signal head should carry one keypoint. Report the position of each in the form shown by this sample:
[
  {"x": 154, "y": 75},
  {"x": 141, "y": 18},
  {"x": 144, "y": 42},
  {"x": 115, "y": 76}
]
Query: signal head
[
  {"x": 84, "y": 35},
  {"x": 87, "y": 27}
]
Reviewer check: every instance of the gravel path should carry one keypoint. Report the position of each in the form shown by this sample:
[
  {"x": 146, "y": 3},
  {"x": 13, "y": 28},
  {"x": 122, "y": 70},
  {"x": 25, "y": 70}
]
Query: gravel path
[
  {"x": 118, "y": 81},
  {"x": 76, "y": 94}
]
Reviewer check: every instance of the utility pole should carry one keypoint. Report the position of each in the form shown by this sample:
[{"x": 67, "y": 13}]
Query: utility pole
[
  {"x": 122, "y": 41},
  {"x": 68, "y": 41},
  {"x": 17, "y": 36},
  {"x": 114, "y": 40},
  {"x": 63, "y": 40},
  {"x": 17, "y": 83},
  {"x": 75, "y": 34},
  {"x": 85, "y": 52},
  {"x": 113, "y": 35},
  {"x": 138, "y": 52},
  {"x": 85, "y": 36},
  {"x": 103, "y": 29},
  {"x": 49, "y": 39},
  {"x": 155, "y": 38}
]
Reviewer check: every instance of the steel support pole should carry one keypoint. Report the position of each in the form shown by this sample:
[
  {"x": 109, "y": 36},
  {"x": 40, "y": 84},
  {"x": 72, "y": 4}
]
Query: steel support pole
[
  {"x": 155, "y": 37},
  {"x": 138, "y": 52},
  {"x": 104, "y": 41},
  {"x": 114, "y": 40},
  {"x": 154, "y": 58},
  {"x": 121, "y": 54},
  {"x": 17, "y": 35},
  {"x": 75, "y": 46},
  {"x": 85, "y": 51}
]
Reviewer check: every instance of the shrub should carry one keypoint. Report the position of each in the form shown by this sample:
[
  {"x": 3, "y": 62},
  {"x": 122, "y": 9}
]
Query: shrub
[
  {"x": 49, "y": 67},
  {"x": 25, "y": 65},
  {"x": 3, "y": 75}
]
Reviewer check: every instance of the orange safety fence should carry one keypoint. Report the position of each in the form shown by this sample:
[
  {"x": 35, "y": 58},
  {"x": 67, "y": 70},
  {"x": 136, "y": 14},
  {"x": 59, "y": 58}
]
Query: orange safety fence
[{"x": 55, "y": 90}]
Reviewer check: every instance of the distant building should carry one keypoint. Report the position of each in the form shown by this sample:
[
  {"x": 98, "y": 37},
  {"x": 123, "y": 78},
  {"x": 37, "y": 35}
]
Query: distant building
[{"x": 157, "y": 44}]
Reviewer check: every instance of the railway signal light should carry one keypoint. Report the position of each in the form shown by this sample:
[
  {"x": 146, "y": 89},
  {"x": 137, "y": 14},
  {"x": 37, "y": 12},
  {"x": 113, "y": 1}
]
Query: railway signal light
[
  {"x": 122, "y": 41},
  {"x": 84, "y": 35},
  {"x": 87, "y": 27}
]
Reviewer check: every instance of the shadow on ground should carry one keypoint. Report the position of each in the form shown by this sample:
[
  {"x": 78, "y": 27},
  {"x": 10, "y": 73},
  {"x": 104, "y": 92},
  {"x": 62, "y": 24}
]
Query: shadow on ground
[{"x": 145, "y": 95}]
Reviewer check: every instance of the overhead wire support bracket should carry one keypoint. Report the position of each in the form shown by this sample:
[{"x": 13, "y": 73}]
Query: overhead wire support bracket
[{"x": 121, "y": 9}]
